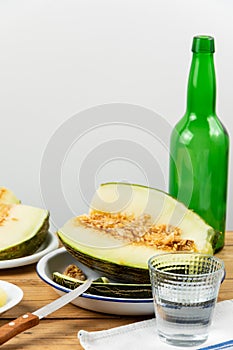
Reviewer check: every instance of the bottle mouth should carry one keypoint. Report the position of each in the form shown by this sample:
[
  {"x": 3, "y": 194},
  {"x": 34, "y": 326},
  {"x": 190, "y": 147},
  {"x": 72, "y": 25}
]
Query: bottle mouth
[{"x": 203, "y": 44}]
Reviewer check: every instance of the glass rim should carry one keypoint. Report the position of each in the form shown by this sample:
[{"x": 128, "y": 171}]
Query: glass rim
[{"x": 221, "y": 268}]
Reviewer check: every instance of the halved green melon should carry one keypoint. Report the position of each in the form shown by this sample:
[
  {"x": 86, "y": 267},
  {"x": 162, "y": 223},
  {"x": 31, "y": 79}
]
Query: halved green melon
[
  {"x": 7, "y": 196},
  {"x": 22, "y": 230},
  {"x": 126, "y": 260}
]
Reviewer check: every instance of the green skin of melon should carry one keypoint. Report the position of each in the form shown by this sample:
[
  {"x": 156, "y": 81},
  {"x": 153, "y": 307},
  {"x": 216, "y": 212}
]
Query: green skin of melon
[
  {"x": 114, "y": 290},
  {"x": 27, "y": 247},
  {"x": 120, "y": 273}
]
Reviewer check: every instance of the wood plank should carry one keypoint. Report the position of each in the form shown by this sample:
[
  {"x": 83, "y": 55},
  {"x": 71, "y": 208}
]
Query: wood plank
[
  {"x": 226, "y": 255},
  {"x": 54, "y": 333},
  {"x": 226, "y": 290},
  {"x": 229, "y": 238}
]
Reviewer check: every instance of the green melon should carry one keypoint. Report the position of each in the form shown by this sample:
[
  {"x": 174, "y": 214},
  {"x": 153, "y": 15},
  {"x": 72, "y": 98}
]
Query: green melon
[
  {"x": 124, "y": 259},
  {"x": 22, "y": 230}
]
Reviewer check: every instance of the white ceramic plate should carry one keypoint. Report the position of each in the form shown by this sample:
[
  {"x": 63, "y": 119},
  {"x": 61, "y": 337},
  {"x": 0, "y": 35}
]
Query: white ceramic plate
[
  {"x": 59, "y": 259},
  {"x": 49, "y": 244},
  {"x": 14, "y": 295}
]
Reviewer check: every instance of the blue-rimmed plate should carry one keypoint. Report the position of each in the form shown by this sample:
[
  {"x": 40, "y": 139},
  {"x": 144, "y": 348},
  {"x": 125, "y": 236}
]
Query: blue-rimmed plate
[{"x": 59, "y": 259}]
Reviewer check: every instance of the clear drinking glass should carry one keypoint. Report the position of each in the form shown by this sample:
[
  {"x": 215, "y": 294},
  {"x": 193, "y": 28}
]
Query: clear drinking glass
[{"x": 185, "y": 288}]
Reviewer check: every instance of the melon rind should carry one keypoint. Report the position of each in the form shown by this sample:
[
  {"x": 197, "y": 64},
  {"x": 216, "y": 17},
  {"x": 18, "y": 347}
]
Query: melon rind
[{"x": 113, "y": 290}]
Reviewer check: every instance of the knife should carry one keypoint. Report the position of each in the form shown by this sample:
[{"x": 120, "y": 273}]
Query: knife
[{"x": 30, "y": 320}]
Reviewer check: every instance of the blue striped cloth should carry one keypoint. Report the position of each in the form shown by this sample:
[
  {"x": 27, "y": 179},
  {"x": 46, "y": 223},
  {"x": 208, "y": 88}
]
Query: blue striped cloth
[{"x": 225, "y": 345}]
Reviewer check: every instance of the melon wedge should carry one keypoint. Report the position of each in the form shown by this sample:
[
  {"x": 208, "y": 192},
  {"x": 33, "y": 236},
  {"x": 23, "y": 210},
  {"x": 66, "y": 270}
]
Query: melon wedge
[
  {"x": 106, "y": 288},
  {"x": 125, "y": 259},
  {"x": 22, "y": 230}
]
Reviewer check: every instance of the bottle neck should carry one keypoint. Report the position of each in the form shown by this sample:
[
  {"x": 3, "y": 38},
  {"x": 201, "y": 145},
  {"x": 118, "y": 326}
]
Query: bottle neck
[{"x": 201, "y": 86}]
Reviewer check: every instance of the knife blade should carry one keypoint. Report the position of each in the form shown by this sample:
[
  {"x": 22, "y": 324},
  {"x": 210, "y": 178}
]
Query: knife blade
[{"x": 30, "y": 320}]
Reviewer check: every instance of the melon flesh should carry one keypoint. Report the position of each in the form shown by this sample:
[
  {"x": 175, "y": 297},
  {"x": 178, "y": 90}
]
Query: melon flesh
[
  {"x": 3, "y": 297},
  {"x": 163, "y": 209},
  {"x": 22, "y": 230},
  {"x": 119, "y": 258},
  {"x": 7, "y": 196}
]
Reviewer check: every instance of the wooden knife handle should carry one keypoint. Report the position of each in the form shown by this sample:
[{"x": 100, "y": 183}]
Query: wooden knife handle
[{"x": 17, "y": 326}]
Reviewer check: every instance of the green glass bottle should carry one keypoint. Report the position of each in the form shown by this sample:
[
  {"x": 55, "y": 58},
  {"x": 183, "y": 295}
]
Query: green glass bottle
[{"x": 199, "y": 145}]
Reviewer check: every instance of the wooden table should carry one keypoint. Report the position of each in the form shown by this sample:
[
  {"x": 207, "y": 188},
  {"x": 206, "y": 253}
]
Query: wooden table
[{"x": 60, "y": 328}]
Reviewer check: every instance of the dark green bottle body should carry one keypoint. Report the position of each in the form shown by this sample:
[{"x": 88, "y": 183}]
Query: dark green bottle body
[{"x": 199, "y": 149}]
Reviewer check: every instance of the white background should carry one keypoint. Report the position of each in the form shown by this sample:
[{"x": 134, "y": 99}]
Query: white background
[{"x": 63, "y": 56}]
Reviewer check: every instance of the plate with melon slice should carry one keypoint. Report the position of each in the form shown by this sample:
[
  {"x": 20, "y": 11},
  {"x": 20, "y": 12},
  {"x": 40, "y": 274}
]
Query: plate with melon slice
[
  {"x": 10, "y": 295},
  {"x": 24, "y": 232},
  {"x": 125, "y": 226}
]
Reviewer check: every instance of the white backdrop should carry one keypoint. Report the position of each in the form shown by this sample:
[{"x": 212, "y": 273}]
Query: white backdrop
[{"x": 62, "y": 57}]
